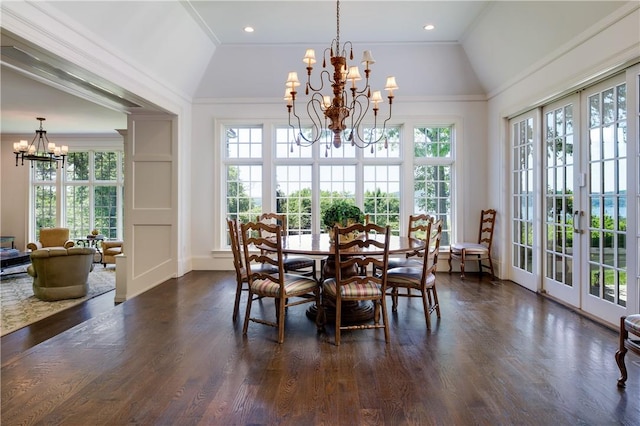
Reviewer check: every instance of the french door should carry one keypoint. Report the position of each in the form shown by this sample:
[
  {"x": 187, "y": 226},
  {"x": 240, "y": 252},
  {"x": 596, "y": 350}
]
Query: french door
[
  {"x": 609, "y": 285},
  {"x": 563, "y": 185},
  {"x": 588, "y": 175}
]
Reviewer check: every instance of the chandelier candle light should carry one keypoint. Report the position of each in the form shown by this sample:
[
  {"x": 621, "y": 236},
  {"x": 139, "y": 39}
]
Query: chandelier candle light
[
  {"x": 42, "y": 150},
  {"x": 337, "y": 109}
]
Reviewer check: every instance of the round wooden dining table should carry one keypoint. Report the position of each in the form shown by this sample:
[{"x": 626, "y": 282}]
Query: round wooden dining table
[{"x": 319, "y": 245}]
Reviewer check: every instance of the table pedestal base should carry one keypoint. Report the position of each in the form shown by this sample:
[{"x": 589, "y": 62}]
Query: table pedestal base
[{"x": 352, "y": 312}]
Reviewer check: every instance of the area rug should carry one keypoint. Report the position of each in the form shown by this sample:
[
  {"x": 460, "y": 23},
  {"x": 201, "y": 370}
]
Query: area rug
[{"x": 19, "y": 307}]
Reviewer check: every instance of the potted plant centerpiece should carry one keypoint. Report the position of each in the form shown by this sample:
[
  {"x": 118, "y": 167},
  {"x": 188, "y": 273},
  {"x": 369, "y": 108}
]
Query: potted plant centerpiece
[{"x": 341, "y": 213}]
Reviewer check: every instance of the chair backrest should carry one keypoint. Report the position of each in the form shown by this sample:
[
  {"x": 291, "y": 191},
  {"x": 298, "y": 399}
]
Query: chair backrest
[
  {"x": 266, "y": 238},
  {"x": 274, "y": 219},
  {"x": 487, "y": 222},
  {"x": 432, "y": 247},
  {"x": 371, "y": 247},
  {"x": 53, "y": 237},
  {"x": 236, "y": 248},
  {"x": 419, "y": 227}
]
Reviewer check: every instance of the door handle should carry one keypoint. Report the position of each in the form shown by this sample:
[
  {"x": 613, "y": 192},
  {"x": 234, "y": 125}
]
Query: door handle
[{"x": 577, "y": 229}]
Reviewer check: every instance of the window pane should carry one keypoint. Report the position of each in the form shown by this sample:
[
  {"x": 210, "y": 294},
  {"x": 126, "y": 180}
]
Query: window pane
[
  {"x": 432, "y": 194},
  {"x": 432, "y": 142},
  {"x": 77, "y": 166},
  {"x": 336, "y": 182},
  {"x": 244, "y": 142},
  {"x": 106, "y": 165},
  {"x": 77, "y": 211},
  {"x": 244, "y": 192},
  {"x": 378, "y": 150},
  {"x": 382, "y": 195},
  {"x": 45, "y": 198},
  {"x": 286, "y": 146},
  {"x": 293, "y": 197},
  {"x": 106, "y": 211}
]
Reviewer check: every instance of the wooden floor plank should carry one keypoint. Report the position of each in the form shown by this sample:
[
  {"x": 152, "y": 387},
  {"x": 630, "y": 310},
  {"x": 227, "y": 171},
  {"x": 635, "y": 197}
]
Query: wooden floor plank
[{"x": 500, "y": 354}]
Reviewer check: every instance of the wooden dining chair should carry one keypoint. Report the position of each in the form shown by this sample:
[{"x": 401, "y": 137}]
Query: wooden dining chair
[
  {"x": 263, "y": 246},
  {"x": 420, "y": 277},
  {"x": 479, "y": 251},
  {"x": 357, "y": 255},
  {"x": 238, "y": 264},
  {"x": 292, "y": 263}
]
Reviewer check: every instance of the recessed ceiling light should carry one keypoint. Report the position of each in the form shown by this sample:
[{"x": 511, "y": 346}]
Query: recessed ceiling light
[
  {"x": 248, "y": 29},
  {"x": 429, "y": 27}
]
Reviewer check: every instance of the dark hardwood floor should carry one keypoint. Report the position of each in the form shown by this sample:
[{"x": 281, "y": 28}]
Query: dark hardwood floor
[{"x": 500, "y": 355}]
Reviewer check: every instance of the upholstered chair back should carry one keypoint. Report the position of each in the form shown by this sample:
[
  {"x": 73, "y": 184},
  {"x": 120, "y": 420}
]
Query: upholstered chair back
[{"x": 60, "y": 273}]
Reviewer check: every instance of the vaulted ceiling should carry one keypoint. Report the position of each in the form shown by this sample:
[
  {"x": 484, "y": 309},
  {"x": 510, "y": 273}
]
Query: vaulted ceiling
[{"x": 497, "y": 41}]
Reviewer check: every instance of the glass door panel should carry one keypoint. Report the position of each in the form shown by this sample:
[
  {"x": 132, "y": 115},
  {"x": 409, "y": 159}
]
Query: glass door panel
[
  {"x": 560, "y": 132},
  {"x": 606, "y": 293}
]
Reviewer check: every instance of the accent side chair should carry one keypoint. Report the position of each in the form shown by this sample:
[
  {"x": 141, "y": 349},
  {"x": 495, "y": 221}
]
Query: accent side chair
[
  {"x": 629, "y": 339},
  {"x": 479, "y": 251}
]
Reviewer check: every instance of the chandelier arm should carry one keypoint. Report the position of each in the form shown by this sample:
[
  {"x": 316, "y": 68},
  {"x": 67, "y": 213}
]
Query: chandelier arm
[
  {"x": 359, "y": 112},
  {"x": 360, "y": 140},
  {"x": 298, "y": 129},
  {"x": 344, "y": 50},
  {"x": 323, "y": 72}
]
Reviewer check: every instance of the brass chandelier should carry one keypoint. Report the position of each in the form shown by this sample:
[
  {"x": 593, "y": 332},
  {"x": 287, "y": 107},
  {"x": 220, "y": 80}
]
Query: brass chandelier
[
  {"x": 40, "y": 149},
  {"x": 343, "y": 113}
]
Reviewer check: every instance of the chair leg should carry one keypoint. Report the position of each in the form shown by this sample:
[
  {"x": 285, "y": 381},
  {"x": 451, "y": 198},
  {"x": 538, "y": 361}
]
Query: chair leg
[
  {"x": 385, "y": 322},
  {"x": 247, "y": 313},
  {"x": 338, "y": 315},
  {"x": 621, "y": 352},
  {"x": 493, "y": 276},
  {"x": 462, "y": 255},
  {"x": 450, "y": 267},
  {"x": 436, "y": 304},
  {"x": 394, "y": 299},
  {"x": 236, "y": 305},
  {"x": 425, "y": 305},
  {"x": 281, "y": 305}
]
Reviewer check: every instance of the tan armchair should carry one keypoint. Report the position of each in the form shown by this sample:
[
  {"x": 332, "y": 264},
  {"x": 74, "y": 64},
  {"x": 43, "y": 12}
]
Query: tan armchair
[
  {"x": 51, "y": 238},
  {"x": 60, "y": 273},
  {"x": 110, "y": 249}
]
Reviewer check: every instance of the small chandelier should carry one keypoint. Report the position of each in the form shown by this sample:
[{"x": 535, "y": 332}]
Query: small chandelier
[
  {"x": 40, "y": 149},
  {"x": 343, "y": 113}
]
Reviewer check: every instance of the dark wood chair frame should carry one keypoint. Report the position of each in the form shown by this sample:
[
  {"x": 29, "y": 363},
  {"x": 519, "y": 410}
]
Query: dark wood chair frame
[
  {"x": 239, "y": 266},
  {"x": 626, "y": 343},
  {"x": 258, "y": 235},
  {"x": 428, "y": 290},
  {"x": 359, "y": 263}
]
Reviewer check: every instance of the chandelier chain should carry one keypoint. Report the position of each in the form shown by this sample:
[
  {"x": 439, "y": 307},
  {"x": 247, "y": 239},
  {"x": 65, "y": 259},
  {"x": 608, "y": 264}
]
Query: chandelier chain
[{"x": 338, "y": 26}]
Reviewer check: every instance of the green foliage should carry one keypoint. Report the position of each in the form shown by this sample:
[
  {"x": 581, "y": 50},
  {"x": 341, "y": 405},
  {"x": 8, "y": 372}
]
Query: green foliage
[{"x": 340, "y": 212}]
